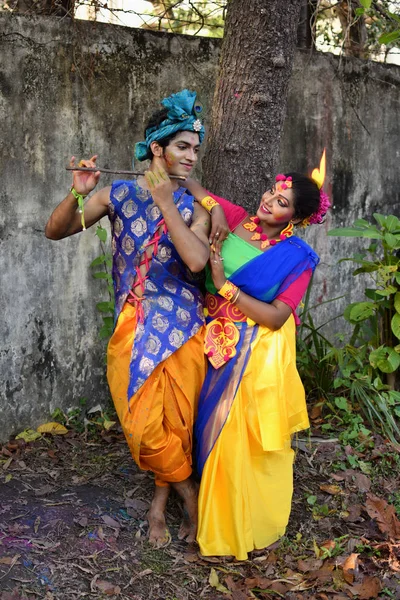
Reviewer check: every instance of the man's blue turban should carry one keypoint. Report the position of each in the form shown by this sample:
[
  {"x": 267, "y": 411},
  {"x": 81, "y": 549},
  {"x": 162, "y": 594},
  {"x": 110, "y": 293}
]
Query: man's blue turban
[{"x": 183, "y": 111}]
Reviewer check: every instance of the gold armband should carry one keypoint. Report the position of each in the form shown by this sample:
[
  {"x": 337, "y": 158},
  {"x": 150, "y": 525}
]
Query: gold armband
[
  {"x": 208, "y": 203},
  {"x": 228, "y": 290}
]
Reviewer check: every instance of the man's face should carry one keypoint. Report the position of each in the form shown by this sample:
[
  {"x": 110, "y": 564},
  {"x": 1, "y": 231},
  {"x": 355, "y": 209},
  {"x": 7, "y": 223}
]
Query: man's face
[{"x": 181, "y": 154}]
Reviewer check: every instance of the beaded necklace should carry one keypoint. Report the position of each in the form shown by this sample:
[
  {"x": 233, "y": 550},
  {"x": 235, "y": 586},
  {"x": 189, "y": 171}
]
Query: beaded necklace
[{"x": 259, "y": 235}]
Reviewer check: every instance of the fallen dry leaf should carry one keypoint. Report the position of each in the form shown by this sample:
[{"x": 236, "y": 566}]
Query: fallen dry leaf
[
  {"x": 385, "y": 516},
  {"x": 10, "y": 560},
  {"x": 328, "y": 544},
  {"x": 214, "y": 582},
  {"x": 362, "y": 482},
  {"x": 28, "y": 435},
  {"x": 394, "y": 554},
  {"x": 190, "y": 557},
  {"x": 332, "y": 489},
  {"x": 110, "y": 522},
  {"x": 322, "y": 575},
  {"x": 17, "y": 529},
  {"x": 107, "y": 587},
  {"x": 353, "y": 513},
  {"x": 261, "y": 583},
  {"x": 7, "y": 463},
  {"x": 53, "y": 428},
  {"x": 309, "y": 564},
  {"x": 211, "y": 559},
  {"x": 145, "y": 572},
  {"x": 135, "y": 503},
  {"x": 231, "y": 583},
  {"x": 280, "y": 587},
  {"x": 394, "y": 562},
  {"x": 82, "y": 521},
  {"x": 316, "y": 411},
  {"x": 239, "y": 595},
  {"x": 350, "y": 567},
  {"x": 44, "y": 491},
  {"x": 369, "y": 588}
]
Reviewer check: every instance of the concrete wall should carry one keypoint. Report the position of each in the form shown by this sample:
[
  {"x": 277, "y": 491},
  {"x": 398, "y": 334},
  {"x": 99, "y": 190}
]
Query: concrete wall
[
  {"x": 352, "y": 108},
  {"x": 82, "y": 88}
]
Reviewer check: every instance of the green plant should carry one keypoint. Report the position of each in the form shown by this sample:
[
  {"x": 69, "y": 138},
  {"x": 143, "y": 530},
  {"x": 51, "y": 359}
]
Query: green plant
[
  {"x": 346, "y": 377},
  {"x": 395, "y": 500},
  {"x": 317, "y": 373},
  {"x": 105, "y": 307},
  {"x": 358, "y": 389},
  {"x": 376, "y": 322},
  {"x": 59, "y": 416}
]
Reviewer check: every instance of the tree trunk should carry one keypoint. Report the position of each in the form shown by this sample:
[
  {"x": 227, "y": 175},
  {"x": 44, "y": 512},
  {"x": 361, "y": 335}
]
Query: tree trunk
[
  {"x": 354, "y": 30},
  {"x": 250, "y": 98},
  {"x": 306, "y": 26}
]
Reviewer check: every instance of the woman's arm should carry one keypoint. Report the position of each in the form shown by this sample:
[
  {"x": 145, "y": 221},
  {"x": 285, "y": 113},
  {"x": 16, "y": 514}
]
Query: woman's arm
[
  {"x": 191, "y": 243},
  {"x": 219, "y": 224},
  {"x": 273, "y": 315}
]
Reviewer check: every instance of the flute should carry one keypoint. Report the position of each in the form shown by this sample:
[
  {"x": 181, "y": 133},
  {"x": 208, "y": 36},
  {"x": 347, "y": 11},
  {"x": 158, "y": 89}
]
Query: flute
[{"x": 134, "y": 173}]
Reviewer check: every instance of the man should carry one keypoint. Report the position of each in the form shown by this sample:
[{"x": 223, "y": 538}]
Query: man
[{"x": 155, "y": 359}]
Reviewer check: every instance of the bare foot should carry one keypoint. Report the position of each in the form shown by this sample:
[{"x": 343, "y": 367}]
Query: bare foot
[
  {"x": 159, "y": 536},
  {"x": 188, "y": 492},
  {"x": 185, "y": 528}
]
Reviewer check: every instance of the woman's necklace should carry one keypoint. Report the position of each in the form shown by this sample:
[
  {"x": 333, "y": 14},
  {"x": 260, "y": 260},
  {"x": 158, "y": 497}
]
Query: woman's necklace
[{"x": 259, "y": 235}]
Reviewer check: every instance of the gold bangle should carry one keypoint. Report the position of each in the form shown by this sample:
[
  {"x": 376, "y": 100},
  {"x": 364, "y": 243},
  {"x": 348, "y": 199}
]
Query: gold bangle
[
  {"x": 236, "y": 297},
  {"x": 228, "y": 290},
  {"x": 208, "y": 203}
]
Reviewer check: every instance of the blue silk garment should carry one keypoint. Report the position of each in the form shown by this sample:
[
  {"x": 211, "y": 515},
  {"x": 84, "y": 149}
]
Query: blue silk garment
[
  {"x": 264, "y": 277},
  {"x": 172, "y": 305}
]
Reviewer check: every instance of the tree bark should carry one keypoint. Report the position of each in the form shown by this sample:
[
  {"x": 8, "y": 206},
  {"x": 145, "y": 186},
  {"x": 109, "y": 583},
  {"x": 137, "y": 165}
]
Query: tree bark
[
  {"x": 306, "y": 26},
  {"x": 354, "y": 30},
  {"x": 250, "y": 98}
]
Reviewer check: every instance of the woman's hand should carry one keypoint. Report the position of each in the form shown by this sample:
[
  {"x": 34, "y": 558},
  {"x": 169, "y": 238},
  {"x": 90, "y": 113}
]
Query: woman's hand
[
  {"x": 85, "y": 182},
  {"x": 219, "y": 228},
  {"x": 217, "y": 268},
  {"x": 160, "y": 187}
]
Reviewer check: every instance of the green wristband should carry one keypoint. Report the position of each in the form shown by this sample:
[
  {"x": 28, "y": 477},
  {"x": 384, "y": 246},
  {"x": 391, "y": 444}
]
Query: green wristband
[{"x": 79, "y": 198}]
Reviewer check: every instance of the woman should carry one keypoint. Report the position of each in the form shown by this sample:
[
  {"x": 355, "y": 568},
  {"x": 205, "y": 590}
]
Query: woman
[{"x": 253, "y": 400}]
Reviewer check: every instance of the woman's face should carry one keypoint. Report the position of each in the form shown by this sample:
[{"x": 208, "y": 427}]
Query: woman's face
[
  {"x": 181, "y": 154},
  {"x": 276, "y": 207}
]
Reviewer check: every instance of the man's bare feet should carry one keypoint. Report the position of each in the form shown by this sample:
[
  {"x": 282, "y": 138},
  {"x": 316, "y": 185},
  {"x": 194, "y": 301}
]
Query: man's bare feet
[
  {"x": 186, "y": 527},
  {"x": 187, "y": 490},
  {"x": 159, "y": 535}
]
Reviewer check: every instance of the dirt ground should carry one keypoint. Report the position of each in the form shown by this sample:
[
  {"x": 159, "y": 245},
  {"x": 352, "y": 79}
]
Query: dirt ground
[{"x": 72, "y": 525}]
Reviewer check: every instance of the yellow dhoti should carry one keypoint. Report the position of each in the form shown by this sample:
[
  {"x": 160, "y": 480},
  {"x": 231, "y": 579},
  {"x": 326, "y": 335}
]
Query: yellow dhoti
[
  {"x": 158, "y": 420},
  {"x": 246, "y": 485}
]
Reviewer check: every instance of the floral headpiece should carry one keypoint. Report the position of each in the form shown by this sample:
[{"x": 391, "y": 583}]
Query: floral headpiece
[
  {"x": 183, "y": 111},
  {"x": 283, "y": 182},
  {"x": 318, "y": 176}
]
